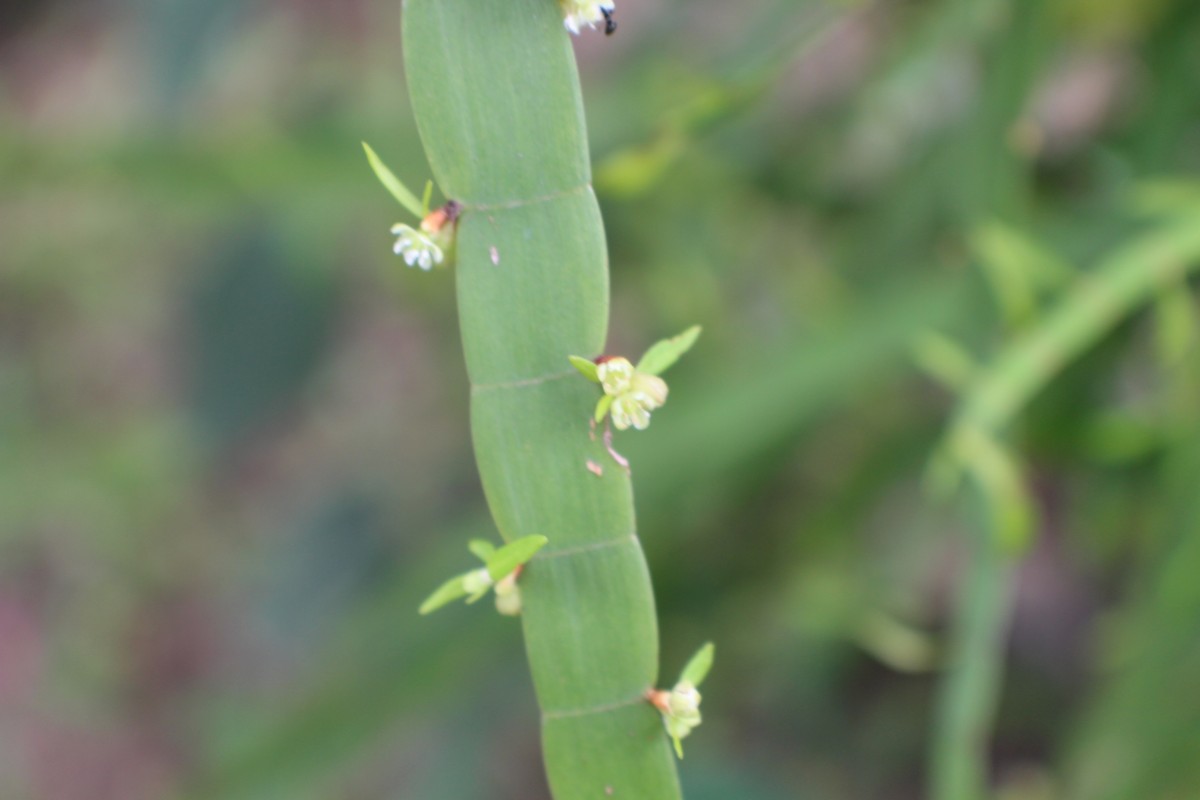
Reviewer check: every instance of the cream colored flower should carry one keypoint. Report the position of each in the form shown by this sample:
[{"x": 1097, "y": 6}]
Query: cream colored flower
[
  {"x": 684, "y": 700},
  {"x": 682, "y": 714},
  {"x": 627, "y": 412},
  {"x": 650, "y": 390},
  {"x": 616, "y": 376},
  {"x": 634, "y": 394}
]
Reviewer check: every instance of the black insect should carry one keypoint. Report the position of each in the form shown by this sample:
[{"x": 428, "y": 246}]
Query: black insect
[{"x": 610, "y": 24}]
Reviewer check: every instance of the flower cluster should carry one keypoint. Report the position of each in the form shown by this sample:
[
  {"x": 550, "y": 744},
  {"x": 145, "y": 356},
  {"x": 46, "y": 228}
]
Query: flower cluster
[
  {"x": 578, "y": 13},
  {"x": 634, "y": 393}
]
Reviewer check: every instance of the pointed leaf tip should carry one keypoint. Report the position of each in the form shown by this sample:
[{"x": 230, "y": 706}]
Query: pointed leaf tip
[
  {"x": 426, "y": 199},
  {"x": 663, "y": 355},
  {"x": 513, "y": 555},
  {"x": 944, "y": 360},
  {"x": 395, "y": 187},
  {"x": 697, "y": 668},
  {"x": 602, "y": 407},
  {"x": 448, "y": 592},
  {"x": 999, "y": 476},
  {"x": 586, "y": 367},
  {"x": 481, "y": 549}
]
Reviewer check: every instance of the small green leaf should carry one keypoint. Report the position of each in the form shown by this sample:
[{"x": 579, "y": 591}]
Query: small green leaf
[
  {"x": 482, "y": 549},
  {"x": 697, "y": 669},
  {"x": 603, "y": 406},
  {"x": 448, "y": 592},
  {"x": 475, "y": 597},
  {"x": 586, "y": 367},
  {"x": 1177, "y": 327},
  {"x": 944, "y": 360},
  {"x": 1019, "y": 269},
  {"x": 393, "y": 184},
  {"x": 513, "y": 555},
  {"x": 1166, "y": 197},
  {"x": 678, "y": 746},
  {"x": 998, "y": 475},
  {"x": 663, "y": 354},
  {"x": 426, "y": 199}
]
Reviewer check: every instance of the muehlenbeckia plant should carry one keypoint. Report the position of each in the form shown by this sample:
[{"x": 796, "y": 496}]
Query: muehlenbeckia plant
[
  {"x": 501, "y": 569},
  {"x": 680, "y": 707},
  {"x": 578, "y": 13},
  {"x": 632, "y": 392},
  {"x": 495, "y": 93},
  {"x": 431, "y": 244}
]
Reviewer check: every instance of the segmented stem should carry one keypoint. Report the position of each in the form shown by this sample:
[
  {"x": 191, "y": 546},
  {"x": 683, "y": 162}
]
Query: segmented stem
[{"x": 497, "y": 100}]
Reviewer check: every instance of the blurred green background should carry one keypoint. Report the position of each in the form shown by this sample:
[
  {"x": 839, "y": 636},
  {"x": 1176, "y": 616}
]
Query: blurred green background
[{"x": 234, "y": 452}]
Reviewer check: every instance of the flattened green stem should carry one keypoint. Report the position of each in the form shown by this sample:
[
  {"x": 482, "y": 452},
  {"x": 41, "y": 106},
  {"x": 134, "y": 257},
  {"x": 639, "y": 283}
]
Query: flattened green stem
[{"x": 496, "y": 95}]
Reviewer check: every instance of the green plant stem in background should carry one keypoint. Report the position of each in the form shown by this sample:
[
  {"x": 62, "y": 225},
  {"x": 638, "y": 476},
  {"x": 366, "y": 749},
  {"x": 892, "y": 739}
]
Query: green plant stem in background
[
  {"x": 971, "y": 688},
  {"x": 1127, "y": 280},
  {"x": 497, "y": 100},
  {"x": 1124, "y": 282},
  {"x": 1138, "y": 739}
]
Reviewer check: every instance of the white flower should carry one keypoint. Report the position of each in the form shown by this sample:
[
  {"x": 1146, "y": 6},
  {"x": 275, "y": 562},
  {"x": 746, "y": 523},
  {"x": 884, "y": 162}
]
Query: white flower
[
  {"x": 417, "y": 249},
  {"x": 577, "y": 13}
]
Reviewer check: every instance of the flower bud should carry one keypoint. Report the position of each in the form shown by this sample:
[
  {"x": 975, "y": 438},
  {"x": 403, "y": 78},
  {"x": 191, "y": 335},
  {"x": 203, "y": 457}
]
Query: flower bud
[
  {"x": 616, "y": 376},
  {"x": 650, "y": 390},
  {"x": 509, "y": 604},
  {"x": 508, "y": 596},
  {"x": 436, "y": 220},
  {"x": 628, "y": 411},
  {"x": 680, "y": 727},
  {"x": 684, "y": 700},
  {"x": 477, "y": 581}
]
